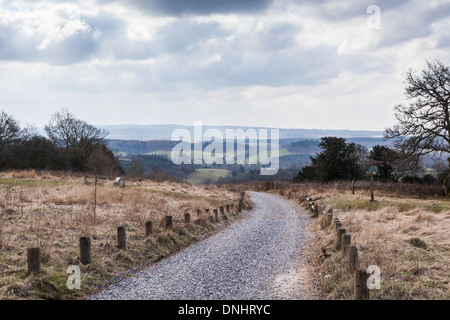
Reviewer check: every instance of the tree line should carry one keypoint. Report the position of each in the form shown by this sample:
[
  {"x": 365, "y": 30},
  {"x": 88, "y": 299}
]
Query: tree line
[{"x": 70, "y": 144}]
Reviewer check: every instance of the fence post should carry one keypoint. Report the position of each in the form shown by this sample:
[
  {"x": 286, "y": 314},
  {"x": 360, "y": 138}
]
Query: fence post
[
  {"x": 346, "y": 241},
  {"x": 352, "y": 258},
  {"x": 340, "y": 233},
  {"x": 240, "y": 206},
  {"x": 216, "y": 215},
  {"x": 199, "y": 213},
  {"x": 329, "y": 219},
  {"x": 228, "y": 208},
  {"x": 85, "y": 250},
  {"x": 169, "y": 222},
  {"x": 361, "y": 291},
  {"x": 338, "y": 225},
  {"x": 122, "y": 238},
  {"x": 148, "y": 228},
  {"x": 187, "y": 217},
  {"x": 34, "y": 260},
  {"x": 232, "y": 208}
]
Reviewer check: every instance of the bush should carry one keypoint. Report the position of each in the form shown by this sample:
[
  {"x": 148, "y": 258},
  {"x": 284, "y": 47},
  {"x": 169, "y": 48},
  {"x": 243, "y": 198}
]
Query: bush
[{"x": 417, "y": 243}]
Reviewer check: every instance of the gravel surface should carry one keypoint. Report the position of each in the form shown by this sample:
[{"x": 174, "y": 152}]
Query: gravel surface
[{"x": 261, "y": 257}]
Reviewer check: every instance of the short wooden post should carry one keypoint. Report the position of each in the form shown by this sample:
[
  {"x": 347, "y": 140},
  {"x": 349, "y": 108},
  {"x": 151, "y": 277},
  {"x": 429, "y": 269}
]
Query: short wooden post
[
  {"x": 361, "y": 291},
  {"x": 346, "y": 241},
  {"x": 329, "y": 218},
  {"x": 85, "y": 250},
  {"x": 338, "y": 225},
  {"x": 353, "y": 186},
  {"x": 199, "y": 213},
  {"x": 187, "y": 217},
  {"x": 352, "y": 258},
  {"x": 122, "y": 238},
  {"x": 240, "y": 206},
  {"x": 34, "y": 260},
  {"x": 228, "y": 208},
  {"x": 222, "y": 211},
  {"x": 340, "y": 232},
  {"x": 232, "y": 208},
  {"x": 148, "y": 228},
  {"x": 169, "y": 222},
  {"x": 216, "y": 215}
]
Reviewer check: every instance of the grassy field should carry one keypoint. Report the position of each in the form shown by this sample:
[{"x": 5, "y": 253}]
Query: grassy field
[
  {"x": 52, "y": 212},
  {"x": 406, "y": 236},
  {"x": 207, "y": 176}
]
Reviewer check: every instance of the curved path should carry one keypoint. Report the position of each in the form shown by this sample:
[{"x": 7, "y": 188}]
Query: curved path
[{"x": 261, "y": 257}]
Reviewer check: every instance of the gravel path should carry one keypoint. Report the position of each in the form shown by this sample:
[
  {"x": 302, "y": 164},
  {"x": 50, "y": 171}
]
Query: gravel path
[{"x": 261, "y": 257}]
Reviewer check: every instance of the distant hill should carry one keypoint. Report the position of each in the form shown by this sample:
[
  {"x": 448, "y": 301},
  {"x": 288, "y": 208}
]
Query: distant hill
[{"x": 164, "y": 131}]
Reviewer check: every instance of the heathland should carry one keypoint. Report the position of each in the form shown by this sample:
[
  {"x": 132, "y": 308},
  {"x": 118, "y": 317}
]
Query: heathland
[{"x": 52, "y": 211}]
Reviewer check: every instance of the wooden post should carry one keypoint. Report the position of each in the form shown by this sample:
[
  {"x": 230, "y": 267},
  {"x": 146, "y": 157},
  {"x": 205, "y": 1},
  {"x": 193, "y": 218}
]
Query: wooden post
[
  {"x": 338, "y": 225},
  {"x": 199, "y": 213},
  {"x": 232, "y": 208},
  {"x": 85, "y": 250},
  {"x": 372, "y": 199},
  {"x": 222, "y": 211},
  {"x": 329, "y": 219},
  {"x": 216, "y": 215},
  {"x": 228, "y": 208},
  {"x": 361, "y": 291},
  {"x": 95, "y": 199},
  {"x": 346, "y": 241},
  {"x": 316, "y": 211},
  {"x": 169, "y": 222},
  {"x": 240, "y": 206},
  {"x": 148, "y": 228},
  {"x": 352, "y": 258},
  {"x": 34, "y": 260},
  {"x": 187, "y": 217},
  {"x": 353, "y": 186},
  {"x": 122, "y": 238},
  {"x": 340, "y": 233}
]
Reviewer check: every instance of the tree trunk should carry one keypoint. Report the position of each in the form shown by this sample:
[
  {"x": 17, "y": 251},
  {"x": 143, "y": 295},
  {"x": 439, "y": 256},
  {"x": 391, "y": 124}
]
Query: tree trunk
[{"x": 447, "y": 182}]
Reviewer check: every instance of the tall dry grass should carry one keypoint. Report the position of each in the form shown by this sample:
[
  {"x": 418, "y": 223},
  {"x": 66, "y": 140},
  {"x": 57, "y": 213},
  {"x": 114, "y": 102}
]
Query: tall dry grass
[
  {"x": 404, "y": 233},
  {"x": 54, "y": 216}
]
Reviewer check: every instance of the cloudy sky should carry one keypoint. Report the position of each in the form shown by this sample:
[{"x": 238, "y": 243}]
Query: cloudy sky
[{"x": 279, "y": 63}]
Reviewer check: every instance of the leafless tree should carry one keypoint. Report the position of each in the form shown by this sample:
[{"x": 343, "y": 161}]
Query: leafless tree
[
  {"x": 65, "y": 130},
  {"x": 10, "y": 134},
  {"x": 424, "y": 125},
  {"x": 76, "y": 136}
]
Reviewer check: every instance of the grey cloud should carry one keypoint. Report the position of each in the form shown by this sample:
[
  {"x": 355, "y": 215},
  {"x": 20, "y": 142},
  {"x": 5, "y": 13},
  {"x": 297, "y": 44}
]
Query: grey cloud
[
  {"x": 412, "y": 23},
  {"x": 444, "y": 42},
  {"x": 200, "y": 7}
]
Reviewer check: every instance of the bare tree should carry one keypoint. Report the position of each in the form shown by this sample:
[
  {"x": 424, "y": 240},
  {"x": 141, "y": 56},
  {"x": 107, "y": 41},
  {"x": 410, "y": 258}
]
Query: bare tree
[
  {"x": 65, "y": 130},
  {"x": 10, "y": 134},
  {"x": 77, "y": 136},
  {"x": 424, "y": 125}
]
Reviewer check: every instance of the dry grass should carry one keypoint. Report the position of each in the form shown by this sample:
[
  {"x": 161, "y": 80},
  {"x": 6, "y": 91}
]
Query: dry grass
[
  {"x": 52, "y": 212},
  {"x": 408, "y": 238}
]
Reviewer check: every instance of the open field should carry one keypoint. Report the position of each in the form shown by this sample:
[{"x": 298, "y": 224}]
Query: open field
[
  {"x": 52, "y": 212},
  {"x": 207, "y": 176},
  {"x": 407, "y": 237}
]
